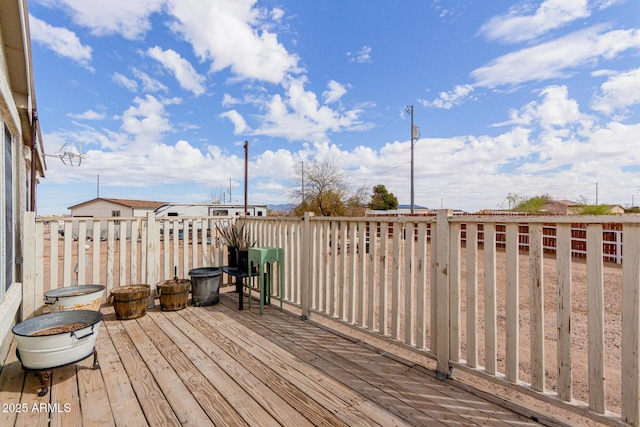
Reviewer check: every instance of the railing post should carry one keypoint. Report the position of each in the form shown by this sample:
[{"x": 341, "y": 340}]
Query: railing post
[
  {"x": 29, "y": 298},
  {"x": 153, "y": 256},
  {"x": 631, "y": 326},
  {"x": 443, "y": 370},
  {"x": 305, "y": 263}
]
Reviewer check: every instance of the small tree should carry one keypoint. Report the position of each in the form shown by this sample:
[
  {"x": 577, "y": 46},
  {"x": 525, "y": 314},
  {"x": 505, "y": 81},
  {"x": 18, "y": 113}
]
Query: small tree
[
  {"x": 382, "y": 200},
  {"x": 595, "y": 210},
  {"x": 325, "y": 189},
  {"x": 532, "y": 205}
]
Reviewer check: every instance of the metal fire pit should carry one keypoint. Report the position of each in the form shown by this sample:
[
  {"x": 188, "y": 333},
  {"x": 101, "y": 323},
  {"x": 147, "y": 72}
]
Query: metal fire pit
[{"x": 61, "y": 347}]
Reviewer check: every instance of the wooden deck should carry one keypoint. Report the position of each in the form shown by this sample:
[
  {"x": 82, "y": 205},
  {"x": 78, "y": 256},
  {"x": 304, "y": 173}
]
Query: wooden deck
[{"x": 217, "y": 366}]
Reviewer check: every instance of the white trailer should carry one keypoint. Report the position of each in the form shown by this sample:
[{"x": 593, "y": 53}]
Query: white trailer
[{"x": 207, "y": 209}]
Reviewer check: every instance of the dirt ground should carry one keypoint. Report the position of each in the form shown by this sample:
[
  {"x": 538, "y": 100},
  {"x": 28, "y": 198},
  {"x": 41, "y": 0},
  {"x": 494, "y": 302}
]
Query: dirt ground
[{"x": 612, "y": 279}]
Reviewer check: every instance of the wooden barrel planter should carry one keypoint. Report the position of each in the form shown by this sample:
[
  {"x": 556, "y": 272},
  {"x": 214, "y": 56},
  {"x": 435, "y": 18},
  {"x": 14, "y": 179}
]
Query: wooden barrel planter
[
  {"x": 130, "y": 302},
  {"x": 173, "y": 294}
]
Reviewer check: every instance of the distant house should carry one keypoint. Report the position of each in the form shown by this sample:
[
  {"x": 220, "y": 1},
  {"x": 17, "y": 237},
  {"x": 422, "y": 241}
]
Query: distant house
[
  {"x": 616, "y": 209},
  {"x": 562, "y": 207},
  {"x": 103, "y": 207},
  {"x": 567, "y": 207},
  {"x": 22, "y": 162}
]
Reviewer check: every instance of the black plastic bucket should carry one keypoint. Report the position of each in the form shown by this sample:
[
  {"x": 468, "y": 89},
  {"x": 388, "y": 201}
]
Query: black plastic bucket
[{"x": 205, "y": 285}]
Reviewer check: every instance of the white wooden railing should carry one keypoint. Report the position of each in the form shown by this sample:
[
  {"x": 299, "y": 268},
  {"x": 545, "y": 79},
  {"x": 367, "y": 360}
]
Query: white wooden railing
[{"x": 499, "y": 313}]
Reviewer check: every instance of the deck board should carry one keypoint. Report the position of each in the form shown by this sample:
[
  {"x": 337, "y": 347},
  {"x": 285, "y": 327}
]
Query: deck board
[{"x": 218, "y": 366}]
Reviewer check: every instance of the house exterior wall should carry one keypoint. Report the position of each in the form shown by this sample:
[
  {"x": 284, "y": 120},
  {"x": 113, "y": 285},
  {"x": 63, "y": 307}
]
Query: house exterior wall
[
  {"x": 101, "y": 209},
  {"x": 17, "y": 105}
]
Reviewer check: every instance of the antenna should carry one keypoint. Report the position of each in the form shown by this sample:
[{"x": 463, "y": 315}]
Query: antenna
[{"x": 69, "y": 154}]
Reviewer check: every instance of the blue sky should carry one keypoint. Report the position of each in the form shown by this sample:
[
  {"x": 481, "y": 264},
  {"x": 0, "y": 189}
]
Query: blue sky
[{"x": 525, "y": 97}]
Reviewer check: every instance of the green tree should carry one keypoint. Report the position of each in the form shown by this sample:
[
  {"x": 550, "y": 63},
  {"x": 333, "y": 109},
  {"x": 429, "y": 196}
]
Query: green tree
[
  {"x": 382, "y": 200},
  {"x": 532, "y": 205}
]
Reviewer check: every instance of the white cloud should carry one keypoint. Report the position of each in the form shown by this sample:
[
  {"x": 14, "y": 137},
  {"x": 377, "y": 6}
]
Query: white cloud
[
  {"x": 183, "y": 71},
  {"x": 555, "y": 110},
  {"x": 228, "y": 100},
  {"x": 276, "y": 14},
  {"x": 458, "y": 96},
  {"x": 88, "y": 115},
  {"x": 298, "y": 116},
  {"x": 618, "y": 92},
  {"x": 518, "y": 25},
  {"x": 334, "y": 93},
  {"x": 149, "y": 84},
  {"x": 240, "y": 125},
  {"x": 230, "y": 35},
  {"x": 556, "y": 58},
  {"x": 147, "y": 120},
  {"x": 128, "y": 18},
  {"x": 62, "y": 41},
  {"x": 362, "y": 56},
  {"x": 125, "y": 82}
]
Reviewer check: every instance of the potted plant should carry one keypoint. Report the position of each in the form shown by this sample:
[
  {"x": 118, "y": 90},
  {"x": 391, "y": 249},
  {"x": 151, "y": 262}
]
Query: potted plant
[
  {"x": 236, "y": 237},
  {"x": 244, "y": 243}
]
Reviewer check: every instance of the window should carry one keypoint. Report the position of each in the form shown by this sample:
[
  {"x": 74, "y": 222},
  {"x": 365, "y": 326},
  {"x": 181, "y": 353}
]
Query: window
[
  {"x": 115, "y": 213},
  {"x": 6, "y": 211}
]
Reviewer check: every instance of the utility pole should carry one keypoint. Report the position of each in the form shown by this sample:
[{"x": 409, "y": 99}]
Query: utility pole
[
  {"x": 302, "y": 175},
  {"x": 229, "y": 190},
  {"x": 415, "y": 135},
  {"x": 246, "y": 176}
]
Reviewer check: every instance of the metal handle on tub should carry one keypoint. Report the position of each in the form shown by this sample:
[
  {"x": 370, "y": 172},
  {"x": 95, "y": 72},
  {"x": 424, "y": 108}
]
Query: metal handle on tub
[
  {"x": 46, "y": 301},
  {"x": 73, "y": 334}
]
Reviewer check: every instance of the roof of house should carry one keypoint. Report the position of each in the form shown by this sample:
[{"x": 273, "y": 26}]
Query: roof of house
[
  {"x": 567, "y": 203},
  {"x": 141, "y": 204}
]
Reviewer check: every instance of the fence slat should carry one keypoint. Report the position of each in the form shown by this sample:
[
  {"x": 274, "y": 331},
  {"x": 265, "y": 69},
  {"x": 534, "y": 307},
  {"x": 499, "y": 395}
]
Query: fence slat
[
  {"x": 123, "y": 253},
  {"x": 362, "y": 272},
  {"x": 97, "y": 258},
  {"x": 472, "y": 294},
  {"x": 490, "y": 319},
  {"x": 512, "y": 315},
  {"x": 595, "y": 304},
  {"x": 67, "y": 256},
  {"x": 395, "y": 281},
  {"x": 563, "y": 261},
  {"x": 421, "y": 287},
  {"x": 110, "y": 256},
  {"x": 409, "y": 281},
  {"x": 82, "y": 263},
  {"x": 384, "y": 267},
  {"x": 373, "y": 270},
  {"x": 133, "y": 270},
  {"x": 537, "y": 307}
]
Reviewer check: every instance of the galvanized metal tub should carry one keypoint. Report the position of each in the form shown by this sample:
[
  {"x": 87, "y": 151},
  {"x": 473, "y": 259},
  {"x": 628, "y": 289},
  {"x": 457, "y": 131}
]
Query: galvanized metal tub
[
  {"x": 57, "y": 346},
  {"x": 83, "y": 297},
  {"x": 205, "y": 285}
]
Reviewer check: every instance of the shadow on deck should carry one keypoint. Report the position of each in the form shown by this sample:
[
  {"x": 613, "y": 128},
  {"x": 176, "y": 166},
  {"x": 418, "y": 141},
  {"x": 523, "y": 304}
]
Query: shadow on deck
[{"x": 218, "y": 366}]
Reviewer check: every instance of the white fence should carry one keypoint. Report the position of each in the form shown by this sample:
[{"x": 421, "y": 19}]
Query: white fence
[{"x": 562, "y": 330}]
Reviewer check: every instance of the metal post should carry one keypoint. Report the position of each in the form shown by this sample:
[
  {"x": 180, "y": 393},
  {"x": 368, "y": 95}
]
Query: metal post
[{"x": 246, "y": 175}]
